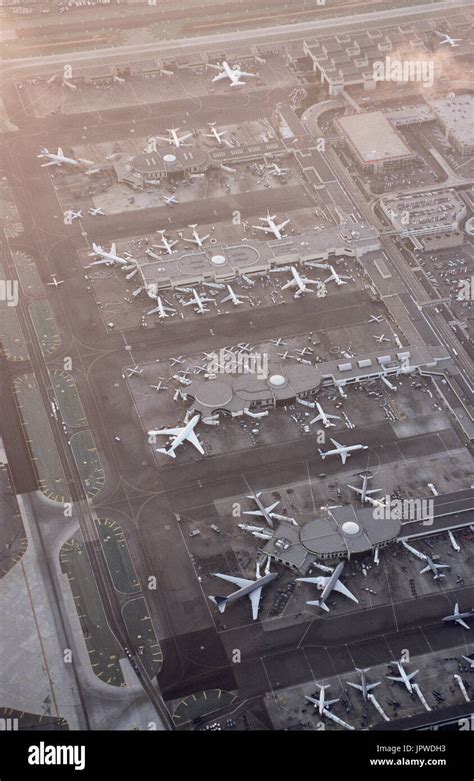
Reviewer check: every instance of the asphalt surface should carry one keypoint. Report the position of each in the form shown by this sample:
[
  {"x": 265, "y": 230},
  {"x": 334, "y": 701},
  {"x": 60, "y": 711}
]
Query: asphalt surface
[{"x": 274, "y": 659}]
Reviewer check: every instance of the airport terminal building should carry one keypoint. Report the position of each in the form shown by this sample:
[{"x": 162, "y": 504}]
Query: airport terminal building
[
  {"x": 285, "y": 383},
  {"x": 345, "y": 531}
]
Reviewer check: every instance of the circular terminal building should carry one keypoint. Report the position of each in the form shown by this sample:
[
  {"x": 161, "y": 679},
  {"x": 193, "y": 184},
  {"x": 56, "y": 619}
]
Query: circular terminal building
[{"x": 341, "y": 534}]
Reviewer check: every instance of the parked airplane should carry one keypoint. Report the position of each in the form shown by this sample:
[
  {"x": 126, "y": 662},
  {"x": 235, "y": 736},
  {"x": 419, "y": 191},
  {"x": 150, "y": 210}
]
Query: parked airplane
[
  {"x": 107, "y": 257},
  {"x": 133, "y": 371},
  {"x": 236, "y": 300},
  {"x": 250, "y": 588},
  {"x": 167, "y": 245},
  {"x": 431, "y": 565},
  {"x": 326, "y": 419},
  {"x": 363, "y": 686},
  {"x": 344, "y": 451},
  {"x": 276, "y": 170},
  {"x": 381, "y": 338},
  {"x": 170, "y": 200},
  {"x": 55, "y": 282},
  {"x": 321, "y": 702},
  {"x": 197, "y": 239},
  {"x": 338, "y": 278},
  {"x": 299, "y": 282},
  {"x": 375, "y": 319},
  {"x": 233, "y": 74},
  {"x": 74, "y": 215},
  {"x": 161, "y": 309},
  {"x": 174, "y": 139},
  {"x": 327, "y": 585},
  {"x": 215, "y": 133},
  {"x": 271, "y": 226},
  {"x": 159, "y": 387},
  {"x": 458, "y": 618},
  {"x": 198, "y": 302},
  {"x": 262, "y": 511},
  {"x": 447, "y": 39},
  {"x": 97, "y": 212},
  {"x": 179, "y": 435},
  {"x": 404, "y": 677},
  {"x": 59, "y": 158},
  {"x": 365, "y": 495}
]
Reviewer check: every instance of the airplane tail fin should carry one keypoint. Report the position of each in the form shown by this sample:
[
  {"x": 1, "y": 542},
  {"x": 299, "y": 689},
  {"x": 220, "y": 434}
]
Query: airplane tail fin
[
  {"x": 166, "y": 452},
  {"x": 320, "y": 604},
  {"x": 221, "y": 602}
]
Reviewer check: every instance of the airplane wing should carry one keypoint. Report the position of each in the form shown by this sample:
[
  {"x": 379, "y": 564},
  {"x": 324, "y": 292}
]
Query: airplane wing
[
  {"x": 171, "y": 431},
  {"x": 254, "y": 597},
  {"x": 262, "y": 228},
  {"x": 319, "y": 581},
  {"x": 272, "y": 506},
  {"x": 240, "y": 582},
  {"x": 219, "y": 76},
  {"x": 336, "y": 444},
  {"x": 191, "y": 437},
  {"x": 338, "y": 586},
  {"x": 356, "y": 686},
  {"x": 412, "y": 675},
  {"x": 462, "y": 623}
]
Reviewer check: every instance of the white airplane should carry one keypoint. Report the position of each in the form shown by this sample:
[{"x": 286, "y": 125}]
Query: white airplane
[
  {"x": 276, "y": 170},
  {"x": 271, "y": 226},
  {"x": 365, "y": 495},
  {"x": 381, "y": 338},
  {"x": 215, "y": 133},
  {"x": 326, "y": 419},
  {"x": 321, "y": 702},
  {"x": 74, "y": 215},
  {"x": 327, "y": 585},
  {"x": 96, "y": 212},
  {"x": 233, "y": 297},
  {"x": 170, "y": 200},
  {"x": 197, "y": 239},
  {"x": 159, "y": 387},
  {"x": 59, "y": 158},
  {"x": 458, "y": 618},
  {"x": 338, "y": 278},
  {"x": 363, "y": 686},
  {"x": 167, "y": 245},
  {"x": 198, "y": 302},
  {"x": 469, "y": 661},
  {"x": 344, "y": 451},
  {"x": 299, "y": 282},
  {"x": 375, "y": 319},
  {"x": 174, "y": 139},
  {"x": 431, "y": 565},
  {"x": 179, "y": 435},
  {"x": 55, "y": 282},
  {"x": 262, "y": 511},
  {"x": 107, "y": 257},
  {"x": 250, "y": 588},
  {"x": 404, "y": 677},
  {"x": 447, "y": 39},
  {"x": 133, "y": 370},
  {"x": 161, "y": 309},
  {"x": 233, "y": 74}
]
